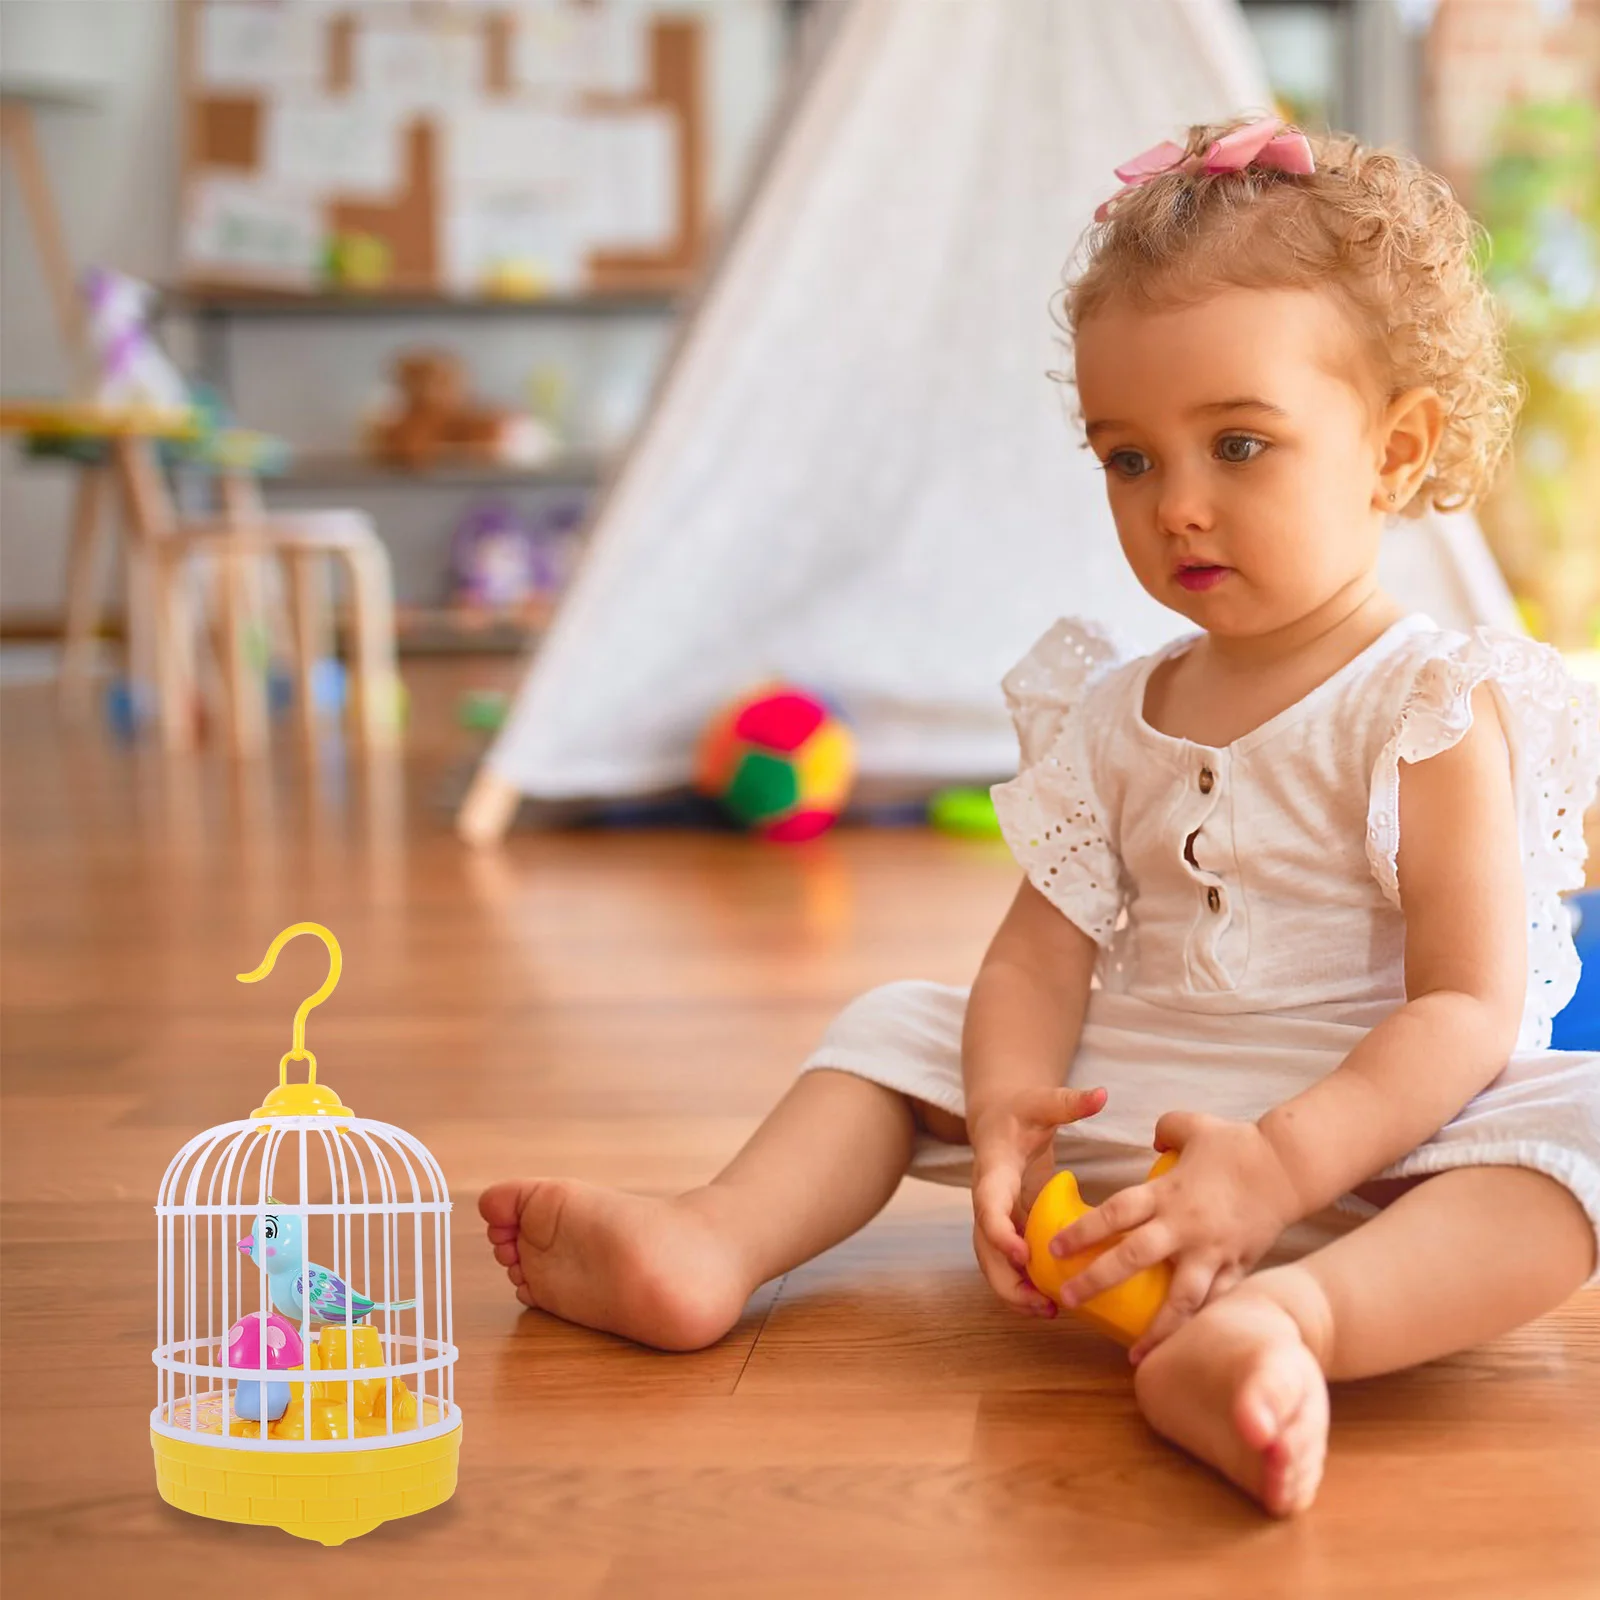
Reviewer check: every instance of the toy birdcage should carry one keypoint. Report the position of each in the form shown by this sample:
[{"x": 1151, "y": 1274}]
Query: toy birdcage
[{"x": 304, "y": 1354}]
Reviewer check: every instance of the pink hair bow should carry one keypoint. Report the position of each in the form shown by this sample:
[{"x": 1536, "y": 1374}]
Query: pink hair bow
[{"x": 1267, "y": 143}]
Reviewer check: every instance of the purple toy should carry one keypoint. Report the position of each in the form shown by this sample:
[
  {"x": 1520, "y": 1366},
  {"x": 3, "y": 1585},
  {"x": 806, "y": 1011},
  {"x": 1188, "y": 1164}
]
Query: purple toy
[
  {"x": 492, "y": 557},
  {"x": 501, "y": 559}
]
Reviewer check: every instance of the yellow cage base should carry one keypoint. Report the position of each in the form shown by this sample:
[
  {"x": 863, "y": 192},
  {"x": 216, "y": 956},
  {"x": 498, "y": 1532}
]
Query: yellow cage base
[{"x": 329, "y": 1496}]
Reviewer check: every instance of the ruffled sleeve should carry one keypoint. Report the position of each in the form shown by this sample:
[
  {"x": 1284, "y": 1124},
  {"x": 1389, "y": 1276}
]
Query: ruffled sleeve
[
  {"x": 1049, "y": 813},
  {"x": 1553, "y": 728}
]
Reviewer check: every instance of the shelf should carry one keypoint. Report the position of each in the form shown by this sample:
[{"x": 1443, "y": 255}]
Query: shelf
[
  {"x": 465, "y": 630},
  {"x": 54, "y": 89},
  {"x": 577, "y": 470},
  {"x": 219, "y": 300}
]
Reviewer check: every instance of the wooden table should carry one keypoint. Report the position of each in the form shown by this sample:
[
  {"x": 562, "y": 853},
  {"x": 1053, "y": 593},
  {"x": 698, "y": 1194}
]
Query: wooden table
[
  {"x": 161, "y": 628},
  {"x": 123, "y": 465}
]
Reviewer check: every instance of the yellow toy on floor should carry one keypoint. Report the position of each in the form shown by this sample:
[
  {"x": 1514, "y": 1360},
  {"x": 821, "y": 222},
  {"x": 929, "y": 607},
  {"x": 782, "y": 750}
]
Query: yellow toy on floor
[
  {"x": 319, "y": 1399},
  {"x": 1124, "y": 1310}
]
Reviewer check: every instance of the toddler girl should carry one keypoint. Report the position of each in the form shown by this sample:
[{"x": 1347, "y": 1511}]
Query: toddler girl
[{"x": 1291, "y": 897}]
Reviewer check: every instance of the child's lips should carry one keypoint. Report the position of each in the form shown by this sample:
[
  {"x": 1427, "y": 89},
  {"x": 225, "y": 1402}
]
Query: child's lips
[{"x": 1197, "y": 578}]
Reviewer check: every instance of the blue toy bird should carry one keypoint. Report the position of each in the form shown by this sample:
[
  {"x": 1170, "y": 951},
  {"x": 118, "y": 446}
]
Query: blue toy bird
[{"x": 294, "y": 1282}]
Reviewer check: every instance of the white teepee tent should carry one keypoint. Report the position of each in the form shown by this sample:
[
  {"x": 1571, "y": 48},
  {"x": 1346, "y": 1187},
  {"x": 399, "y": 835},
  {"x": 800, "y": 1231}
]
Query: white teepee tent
[{"x": 857, "y": 474}]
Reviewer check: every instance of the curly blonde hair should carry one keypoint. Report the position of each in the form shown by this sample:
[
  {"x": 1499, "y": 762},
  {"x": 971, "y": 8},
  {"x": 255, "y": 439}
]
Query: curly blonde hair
[{"x": 1375, "y": 228}]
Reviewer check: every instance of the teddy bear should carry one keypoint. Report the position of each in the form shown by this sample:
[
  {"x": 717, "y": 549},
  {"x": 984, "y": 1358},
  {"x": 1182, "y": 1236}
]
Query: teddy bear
[{"x": 436, "y": 422}]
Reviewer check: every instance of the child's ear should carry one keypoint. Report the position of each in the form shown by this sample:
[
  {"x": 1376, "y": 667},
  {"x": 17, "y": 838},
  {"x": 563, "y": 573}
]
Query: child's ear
[{"x": 1408, "y": 437}]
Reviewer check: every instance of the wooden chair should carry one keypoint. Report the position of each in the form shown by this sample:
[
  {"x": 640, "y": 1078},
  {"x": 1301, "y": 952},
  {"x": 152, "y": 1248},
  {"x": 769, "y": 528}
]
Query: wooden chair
[
  {"x": 308, "y": 546},
  {"x": 160, "y": 545}
]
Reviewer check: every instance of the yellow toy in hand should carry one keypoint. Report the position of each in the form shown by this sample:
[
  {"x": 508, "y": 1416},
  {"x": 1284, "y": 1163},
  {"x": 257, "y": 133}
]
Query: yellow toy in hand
[{"x": 1124, "y": 1310}]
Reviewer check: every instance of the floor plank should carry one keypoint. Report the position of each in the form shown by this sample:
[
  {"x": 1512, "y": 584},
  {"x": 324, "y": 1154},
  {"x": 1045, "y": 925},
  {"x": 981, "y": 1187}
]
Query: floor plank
[{"x": 623, "y": 1008}]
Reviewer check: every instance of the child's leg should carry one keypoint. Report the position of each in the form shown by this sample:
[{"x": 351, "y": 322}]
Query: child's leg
[
  {"x": 1462, "y": 1258},
  {"x": 677, "y": 1273}
]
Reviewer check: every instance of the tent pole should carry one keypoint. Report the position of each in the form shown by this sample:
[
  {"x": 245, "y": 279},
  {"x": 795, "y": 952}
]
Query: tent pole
[
  {"x": 487, "y": 811},
  {"x": 491, "y": 803}
]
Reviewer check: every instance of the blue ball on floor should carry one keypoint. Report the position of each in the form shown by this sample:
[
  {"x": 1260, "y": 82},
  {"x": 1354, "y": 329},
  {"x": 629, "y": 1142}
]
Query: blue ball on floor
[
  {"x": 280, "y": 691},
  {"x": 329, "y": 685},
  {"x": 1578, "y": 1026},
  {"x": 127, "y": 708}
]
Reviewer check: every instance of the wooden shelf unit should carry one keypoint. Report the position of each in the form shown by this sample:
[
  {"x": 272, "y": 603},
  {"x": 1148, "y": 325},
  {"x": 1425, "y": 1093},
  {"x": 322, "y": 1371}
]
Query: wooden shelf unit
[{"x": 577, "y": 470}]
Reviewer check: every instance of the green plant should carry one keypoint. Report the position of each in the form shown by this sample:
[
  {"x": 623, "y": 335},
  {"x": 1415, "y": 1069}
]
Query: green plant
[{"x": 1539, "y": 199}]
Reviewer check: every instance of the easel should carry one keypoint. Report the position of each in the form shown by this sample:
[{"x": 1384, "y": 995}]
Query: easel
[
  {"x": 20, "y": 144},
  {"x": 18, "y": 139}
]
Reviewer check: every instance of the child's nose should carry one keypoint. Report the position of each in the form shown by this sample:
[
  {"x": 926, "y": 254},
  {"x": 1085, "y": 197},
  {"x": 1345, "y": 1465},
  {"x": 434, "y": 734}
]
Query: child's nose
[{"x": 1185, "y": 505}]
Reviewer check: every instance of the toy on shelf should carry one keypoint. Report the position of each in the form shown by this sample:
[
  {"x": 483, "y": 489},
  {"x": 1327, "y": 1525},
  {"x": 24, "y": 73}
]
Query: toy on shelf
[
  {"x": 501, "y": 559},
  {"x": 286, "y": 1397},
  {"x": 492, "y": 557},
  {"x": 780, "y": 762},
  {"x": 356, "y": 260},
  {"x": 516, "y": 280},
  {"x": 434, "y": 422},
  {"x": 132, "y": 370},
  {"x": 1124, "y": 1310}
]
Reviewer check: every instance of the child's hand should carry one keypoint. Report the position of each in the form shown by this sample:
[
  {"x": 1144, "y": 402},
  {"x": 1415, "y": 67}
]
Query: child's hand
[
  {"x": 1012, "y": 1160},
  {"x": 1213, "y": 1216}
]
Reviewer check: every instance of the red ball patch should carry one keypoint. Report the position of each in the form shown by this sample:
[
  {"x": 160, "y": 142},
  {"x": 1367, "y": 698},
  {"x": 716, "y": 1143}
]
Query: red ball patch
[
  {"x": 782, "y": 721},
  {"x": 801, "y": 825}
]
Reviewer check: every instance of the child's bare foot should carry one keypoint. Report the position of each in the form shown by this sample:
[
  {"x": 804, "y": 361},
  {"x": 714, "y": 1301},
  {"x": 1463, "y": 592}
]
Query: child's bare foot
[
  {"x": 1238, "y": 1387},
  {"x": 656, "y": 1271}
]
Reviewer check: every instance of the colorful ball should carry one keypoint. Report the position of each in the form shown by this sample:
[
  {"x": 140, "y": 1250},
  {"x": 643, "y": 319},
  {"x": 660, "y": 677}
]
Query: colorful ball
[{"x": 780, "y": 762}]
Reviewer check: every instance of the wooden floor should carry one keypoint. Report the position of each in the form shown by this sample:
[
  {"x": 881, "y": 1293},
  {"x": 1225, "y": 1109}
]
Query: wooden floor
[{"x": 623, "y": 1008}]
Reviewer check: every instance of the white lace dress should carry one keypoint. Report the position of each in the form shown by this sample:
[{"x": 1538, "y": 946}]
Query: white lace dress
[{"x": 1246, "y": 905}]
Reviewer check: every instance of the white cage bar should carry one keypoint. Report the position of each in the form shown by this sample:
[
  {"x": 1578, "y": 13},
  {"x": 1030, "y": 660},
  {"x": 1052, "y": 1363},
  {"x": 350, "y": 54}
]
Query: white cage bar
[{"x": 372, "y": 1206}]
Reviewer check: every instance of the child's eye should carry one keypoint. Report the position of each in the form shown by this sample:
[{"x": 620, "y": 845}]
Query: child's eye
[
  {"x": 1238, "y": 448},
  {"x": 1126, "y": 463}
]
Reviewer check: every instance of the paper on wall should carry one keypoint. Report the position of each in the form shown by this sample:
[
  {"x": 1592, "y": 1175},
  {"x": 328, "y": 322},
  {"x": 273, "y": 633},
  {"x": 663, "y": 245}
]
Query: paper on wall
[
  {"x": 240, "y": 227},
  {"x": 426, "y": 68},
  {"x": 347, "y": 148},
  {"x": 564, "y": 51},
  {"x": 547, "y": 51},
  {"x": 619, "y": 49},
  {"x": 242, "y": 44},
  {"x": 629, "y": 176},
  {"x": 521, "y": 149},
  {"x": 493, "y": 240}
]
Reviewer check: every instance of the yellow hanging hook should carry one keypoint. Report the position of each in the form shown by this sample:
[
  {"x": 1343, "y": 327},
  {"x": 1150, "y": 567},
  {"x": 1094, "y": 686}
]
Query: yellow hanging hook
[{"x": 301, "y": 1099}]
